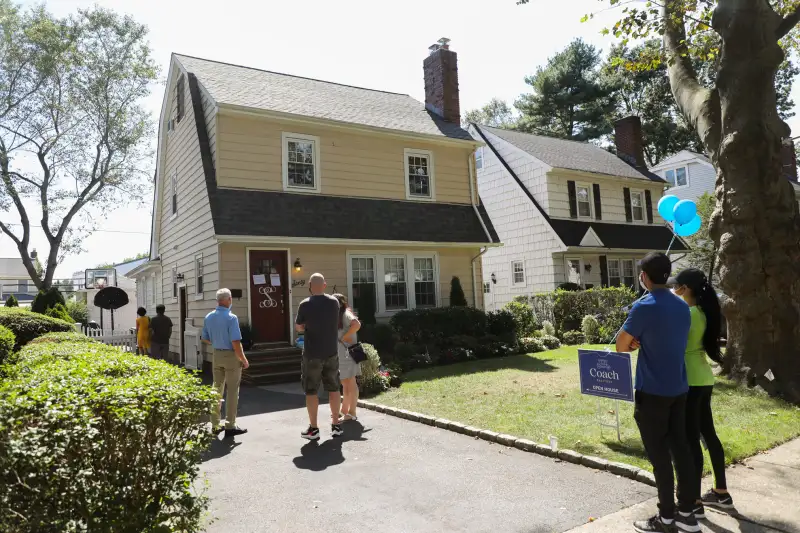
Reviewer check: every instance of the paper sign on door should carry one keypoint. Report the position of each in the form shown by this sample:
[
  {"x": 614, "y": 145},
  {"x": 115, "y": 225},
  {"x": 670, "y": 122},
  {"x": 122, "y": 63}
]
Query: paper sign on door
[
  {"x": 259, "y": 279},
  {"x": 275, "y": 280}
]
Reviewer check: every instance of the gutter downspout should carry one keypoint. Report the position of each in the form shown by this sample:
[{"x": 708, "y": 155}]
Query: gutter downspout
[{"x": 486, "y": 231}]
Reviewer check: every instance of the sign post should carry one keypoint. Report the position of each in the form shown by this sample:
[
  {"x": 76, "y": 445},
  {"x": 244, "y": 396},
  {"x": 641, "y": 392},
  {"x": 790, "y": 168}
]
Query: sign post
[{"x": 606, "y": 374}]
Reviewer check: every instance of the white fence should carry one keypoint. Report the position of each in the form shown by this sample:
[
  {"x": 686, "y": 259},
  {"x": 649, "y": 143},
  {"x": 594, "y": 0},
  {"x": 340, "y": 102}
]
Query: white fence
[{"x": 123, "y": 339}]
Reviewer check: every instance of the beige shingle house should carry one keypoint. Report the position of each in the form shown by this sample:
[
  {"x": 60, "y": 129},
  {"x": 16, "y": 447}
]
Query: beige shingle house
[{"x": 264, "y": 178}]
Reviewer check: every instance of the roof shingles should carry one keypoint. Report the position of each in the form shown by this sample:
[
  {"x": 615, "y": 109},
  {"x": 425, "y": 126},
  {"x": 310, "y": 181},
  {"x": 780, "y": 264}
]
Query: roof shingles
[{"x": 284, "y": 93}]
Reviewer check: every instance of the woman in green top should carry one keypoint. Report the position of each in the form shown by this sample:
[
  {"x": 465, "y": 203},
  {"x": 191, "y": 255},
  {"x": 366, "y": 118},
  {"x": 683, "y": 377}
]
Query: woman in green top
[{"x": 693, "y": 286}]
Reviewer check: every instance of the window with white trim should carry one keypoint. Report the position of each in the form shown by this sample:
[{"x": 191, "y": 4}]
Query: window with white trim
[
  {"x": 676, "y": 177},
  {"x": 622, "y": 273},
  {"x": 517, "y": 273},
  {"x": 583, "y": 194},
  {"x": 424, "y": 282},
  {"x": 174, "y": 195},
  {"x": 479, "y": 158},
  {"x": 198, "y": 275},
  {"x": 637, "y": 206},
  {"x": 487, "y": 288},
  {"x": 175, "y": 282},
  {"x": 390, "y": 282},
  {"x": 419, "y": 174},
  {"x": 300, "y": 162}
]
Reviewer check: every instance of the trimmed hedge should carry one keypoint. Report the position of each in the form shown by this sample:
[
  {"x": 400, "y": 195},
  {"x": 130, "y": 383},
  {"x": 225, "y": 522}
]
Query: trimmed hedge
[
  {"x": 26, "y": 325},
  {"x": 11, "y": 301},
  {"x": 566, "y": 309},
  {"x": 424, "y": 326},
  {"x": 69, "y": 336},
  {"x": 573, "y": 338},
  {"x": 7, "y": 342},
  {"x": 46, "y": 300},
  {"x": 95, "y": 439}
]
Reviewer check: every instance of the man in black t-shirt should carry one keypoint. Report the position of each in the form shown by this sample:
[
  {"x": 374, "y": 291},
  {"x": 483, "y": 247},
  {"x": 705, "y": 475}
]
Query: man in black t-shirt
[
  {"x": 161, "y": 331},
  {"x": 318, "y": 320}
]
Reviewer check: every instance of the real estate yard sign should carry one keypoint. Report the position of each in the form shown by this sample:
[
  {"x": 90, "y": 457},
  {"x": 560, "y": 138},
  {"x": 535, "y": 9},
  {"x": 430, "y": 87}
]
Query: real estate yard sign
[{"x": 606, "y": 374}]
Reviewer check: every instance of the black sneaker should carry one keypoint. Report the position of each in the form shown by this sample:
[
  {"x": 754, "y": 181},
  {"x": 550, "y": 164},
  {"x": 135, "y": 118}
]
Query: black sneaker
[
  {"x": 232, "y": 432},
  {"x": 716, "y": 500},
  {"x": 336, "y": 430},
  {"x": 699, "y": 511},
  {"x": 310, "y": 434},
  {"x": 654, "y": 525},
  {"x": 217, "y": 430},
  {"x": 687, "y": 522}
]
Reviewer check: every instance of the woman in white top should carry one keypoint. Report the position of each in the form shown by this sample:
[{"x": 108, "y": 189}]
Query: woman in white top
[{"x": 348, "y": 368}]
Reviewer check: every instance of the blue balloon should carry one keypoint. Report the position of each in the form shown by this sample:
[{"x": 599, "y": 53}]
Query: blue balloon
[
  {"x": 666, "y": 206},
  {"x": 685, "y": 211},
  {"x": 690, "y": 228}
]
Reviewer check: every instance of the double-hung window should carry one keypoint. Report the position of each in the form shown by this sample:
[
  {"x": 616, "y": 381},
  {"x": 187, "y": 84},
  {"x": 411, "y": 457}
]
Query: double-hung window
[
  {"x": 583, "y": 194},
  {"x": 301, "y": 162},
  {"x": 517, "y": 273},
  {"x": 622, "y": 273},
  {"x": 637, "y": 206},
  {"x": 389, "y": 282},
  {"x": 419, "y": 174},
  {"x": 676, "y": 177}
]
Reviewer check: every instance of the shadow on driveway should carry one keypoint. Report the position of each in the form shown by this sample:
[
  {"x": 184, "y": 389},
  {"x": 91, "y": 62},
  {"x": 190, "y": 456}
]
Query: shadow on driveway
[{"x": 316, "y": 456}]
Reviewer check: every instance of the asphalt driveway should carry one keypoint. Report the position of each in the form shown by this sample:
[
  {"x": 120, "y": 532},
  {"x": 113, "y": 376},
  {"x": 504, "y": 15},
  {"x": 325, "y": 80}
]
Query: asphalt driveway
[{"x": 392, "y": 475}]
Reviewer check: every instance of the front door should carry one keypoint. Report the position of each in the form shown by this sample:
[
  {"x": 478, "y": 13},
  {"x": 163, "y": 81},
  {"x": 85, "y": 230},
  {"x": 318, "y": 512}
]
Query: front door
[{"x": 269, "y": 296}]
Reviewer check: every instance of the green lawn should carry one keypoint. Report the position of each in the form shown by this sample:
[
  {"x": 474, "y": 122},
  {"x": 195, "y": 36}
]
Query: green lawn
[{"x": 537, "y": 395}]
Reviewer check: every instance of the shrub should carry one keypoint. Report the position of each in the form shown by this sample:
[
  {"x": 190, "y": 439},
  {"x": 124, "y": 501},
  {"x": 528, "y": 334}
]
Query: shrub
[
  {"x": 431, "y": 326},
  {"x": 548, "y": 329},
  {"x": 566, "y": 309},
  {"x": 373, "y": 380},
  {"x": 47, "y": 300},
  {"x": 64, "y": 411},
  {"x": 26, "y": 325},
  {"x": 551, "y": 342},
  {"x": 502, "y": 324},
  {"x": 569, "y": 286},
  {"x": 571, "y": 338},
  {"x": 405, "y": 355},
  {"x": 457, "y": 298},
  {"x": 381, "y": 336},
  {"x": 591, "y": 329},
  {"x": 524, "y": 319},
  {"x": 11, "y": 301},
  {"x": 70, "y": 336},
  {"x": 531, "y": 345},
  {"x": 490, "y": 346},
  {"x": 611, "y": 324},
  {"x": 7, "y": 341},
  {"x": 78, "y": 311},
  {"x": 59, "y": 312}
]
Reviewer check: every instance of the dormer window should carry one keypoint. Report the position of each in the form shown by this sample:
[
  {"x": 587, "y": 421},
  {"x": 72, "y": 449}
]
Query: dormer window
[{"x": 677, "y": 177}]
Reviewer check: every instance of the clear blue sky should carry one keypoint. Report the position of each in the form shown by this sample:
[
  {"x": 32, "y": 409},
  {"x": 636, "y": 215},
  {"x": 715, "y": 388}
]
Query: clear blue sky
[{"x": 372, "y": 44}]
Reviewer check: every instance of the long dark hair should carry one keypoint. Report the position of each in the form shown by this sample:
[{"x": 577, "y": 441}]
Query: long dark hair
[
  {"x": 342, "y": 308},
  {"x": 707, "y": 301}
]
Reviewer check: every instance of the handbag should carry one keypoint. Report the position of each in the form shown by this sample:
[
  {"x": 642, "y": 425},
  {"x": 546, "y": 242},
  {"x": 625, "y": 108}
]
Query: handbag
[{"x": 357, "y": 352}]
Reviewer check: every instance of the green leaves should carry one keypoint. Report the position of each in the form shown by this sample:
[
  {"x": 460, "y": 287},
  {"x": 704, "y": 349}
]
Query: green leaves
[{"x": 94, "y": 439}]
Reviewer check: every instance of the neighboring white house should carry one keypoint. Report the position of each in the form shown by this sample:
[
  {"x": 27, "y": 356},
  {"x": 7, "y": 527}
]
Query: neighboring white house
[
  {"x": 689, "y": 175},
  {"x": 566, "y": 211},
  {"x": 14, "y": 279},
  {"x": 125, "y": 317}
]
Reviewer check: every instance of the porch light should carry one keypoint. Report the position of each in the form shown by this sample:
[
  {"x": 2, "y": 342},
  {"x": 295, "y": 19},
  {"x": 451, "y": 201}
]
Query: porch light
[
  {"x": 587, "y": 267},
  {"x": 297, "y": 265},
  {"x": 494, "y": 278},
  {"x": 179, "y": 278}
]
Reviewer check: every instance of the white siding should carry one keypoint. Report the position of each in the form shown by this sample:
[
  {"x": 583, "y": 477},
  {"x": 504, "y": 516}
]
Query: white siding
[
  {"x": 522, "y": 230},
  {"x": 701, "y": 175}
]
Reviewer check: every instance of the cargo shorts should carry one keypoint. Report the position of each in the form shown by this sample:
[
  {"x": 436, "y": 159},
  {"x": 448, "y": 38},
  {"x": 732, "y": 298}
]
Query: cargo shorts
[{"x": 316, "y": 371}]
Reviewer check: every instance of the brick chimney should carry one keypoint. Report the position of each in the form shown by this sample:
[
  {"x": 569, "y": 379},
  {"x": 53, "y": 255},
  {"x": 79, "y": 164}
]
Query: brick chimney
[
  {"x": 441, "y": 81},
  {"x": 789, "y": 160},
  {"x": 628, "y": 138}
]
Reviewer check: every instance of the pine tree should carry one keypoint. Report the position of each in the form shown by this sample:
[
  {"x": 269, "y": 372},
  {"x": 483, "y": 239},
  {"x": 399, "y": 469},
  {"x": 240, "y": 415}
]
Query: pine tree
[
  {"x": 11, "y": 301},
  {"x": 457, "y": 298}
]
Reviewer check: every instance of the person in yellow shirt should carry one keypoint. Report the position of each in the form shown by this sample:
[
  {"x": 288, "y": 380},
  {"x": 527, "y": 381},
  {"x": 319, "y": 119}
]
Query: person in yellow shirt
[
  {"x": 692, "y": 285},
  {"x": 142, "y": 332}
]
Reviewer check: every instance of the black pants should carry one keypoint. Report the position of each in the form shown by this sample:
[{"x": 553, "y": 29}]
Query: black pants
[
  {"x": 700, "y": 421},
  {"x": 662, "y": 424}
]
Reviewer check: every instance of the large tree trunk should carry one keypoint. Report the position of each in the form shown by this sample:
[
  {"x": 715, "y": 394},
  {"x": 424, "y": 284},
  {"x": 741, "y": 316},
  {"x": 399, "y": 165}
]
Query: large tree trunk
[{"x": 755, "y": 226}]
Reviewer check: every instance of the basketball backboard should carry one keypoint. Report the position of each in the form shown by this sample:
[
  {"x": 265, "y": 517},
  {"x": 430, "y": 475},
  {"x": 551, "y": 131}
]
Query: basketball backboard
[{"x": 98, "y": 278}]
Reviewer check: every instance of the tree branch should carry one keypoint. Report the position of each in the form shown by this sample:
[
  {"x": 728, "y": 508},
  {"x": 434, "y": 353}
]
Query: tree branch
[
  {"x": 788, "y": 23},
  {"x": 700, "y": 106}
]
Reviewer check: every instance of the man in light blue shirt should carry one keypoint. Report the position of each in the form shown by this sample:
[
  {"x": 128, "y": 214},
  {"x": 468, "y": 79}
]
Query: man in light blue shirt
[{"x": 221, "y": 331}]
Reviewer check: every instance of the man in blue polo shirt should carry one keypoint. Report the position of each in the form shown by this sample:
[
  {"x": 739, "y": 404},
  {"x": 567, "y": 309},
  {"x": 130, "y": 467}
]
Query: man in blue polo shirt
[
  {"x": 221, "y": 331},
  {"x": 658, "y": 325}
]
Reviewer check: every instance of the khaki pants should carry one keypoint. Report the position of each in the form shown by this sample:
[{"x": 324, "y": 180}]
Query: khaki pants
[{"x": 227, "y": 373}]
